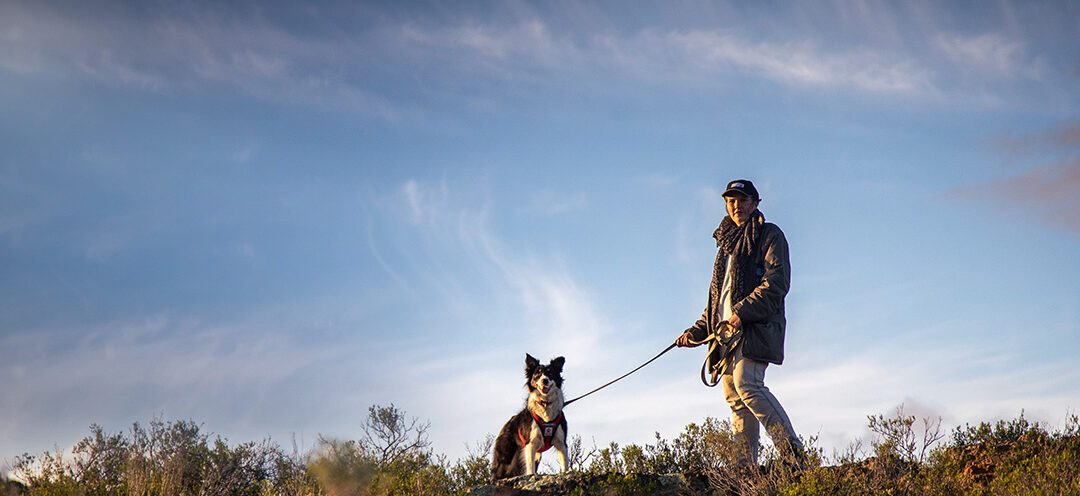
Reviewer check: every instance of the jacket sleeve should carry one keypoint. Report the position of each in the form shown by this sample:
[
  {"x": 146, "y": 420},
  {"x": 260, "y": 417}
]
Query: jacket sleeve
[
  {"x": 700, "y": 329},
  {"x": 768, "y": 297}
]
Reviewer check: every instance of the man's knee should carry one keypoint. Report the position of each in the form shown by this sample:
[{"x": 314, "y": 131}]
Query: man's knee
[
  {"x": 748, "y": 390},
  {"x": 731, "y": 394},
  {"x": 738, "y": 406}
]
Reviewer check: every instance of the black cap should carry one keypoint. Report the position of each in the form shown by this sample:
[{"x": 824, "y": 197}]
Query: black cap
[{"x": 742, "y": 186}]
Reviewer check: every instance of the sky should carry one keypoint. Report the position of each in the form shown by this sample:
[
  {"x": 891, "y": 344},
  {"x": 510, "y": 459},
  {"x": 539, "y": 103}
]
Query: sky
[{"x": 267, "y": 217}]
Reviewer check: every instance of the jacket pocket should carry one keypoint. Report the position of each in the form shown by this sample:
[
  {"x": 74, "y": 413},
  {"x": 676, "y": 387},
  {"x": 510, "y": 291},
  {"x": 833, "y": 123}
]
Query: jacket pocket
[{"x": 764, "y": 342}]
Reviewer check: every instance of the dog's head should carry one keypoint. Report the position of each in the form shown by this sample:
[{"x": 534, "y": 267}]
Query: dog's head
[{"x": 542, "y": 378}]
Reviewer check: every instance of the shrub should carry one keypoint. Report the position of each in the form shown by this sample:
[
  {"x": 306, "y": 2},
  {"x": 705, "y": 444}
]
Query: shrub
[
  {"x": 169, "y": 458},
  {"x": 393, "y": 456},
  {"x": 475, "y": 468}
]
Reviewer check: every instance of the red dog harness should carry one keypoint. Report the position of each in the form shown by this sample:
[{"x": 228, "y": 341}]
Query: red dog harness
[{"x": 547, "y": 429}]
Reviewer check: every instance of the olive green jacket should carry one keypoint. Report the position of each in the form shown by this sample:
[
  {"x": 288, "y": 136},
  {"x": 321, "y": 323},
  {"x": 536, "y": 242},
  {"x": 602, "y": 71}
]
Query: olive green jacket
[{"x": 762, "y": 311}]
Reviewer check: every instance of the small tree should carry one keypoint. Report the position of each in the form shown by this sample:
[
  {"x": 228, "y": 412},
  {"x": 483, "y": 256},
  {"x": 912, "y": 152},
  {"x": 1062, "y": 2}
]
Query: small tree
[
  {"x": 577, "y": 457},
  {"x": 899, "y": 436},
  {"x": 388, "y": 434},
  {"x": 100, "y": 461}
]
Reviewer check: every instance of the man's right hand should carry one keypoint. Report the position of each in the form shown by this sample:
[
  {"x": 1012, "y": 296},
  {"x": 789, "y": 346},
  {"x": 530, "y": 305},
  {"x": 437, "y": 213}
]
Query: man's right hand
[{"x": 686, "y": 341}]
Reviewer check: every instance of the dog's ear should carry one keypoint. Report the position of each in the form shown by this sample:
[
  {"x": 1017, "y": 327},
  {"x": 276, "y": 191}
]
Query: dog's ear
[
  {"x": 530, "y": 364},
  {"x": 556, "y": 365}
]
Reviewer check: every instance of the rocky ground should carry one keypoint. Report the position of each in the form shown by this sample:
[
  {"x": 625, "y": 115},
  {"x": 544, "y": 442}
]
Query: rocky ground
[{"x": 584, "y": 484}]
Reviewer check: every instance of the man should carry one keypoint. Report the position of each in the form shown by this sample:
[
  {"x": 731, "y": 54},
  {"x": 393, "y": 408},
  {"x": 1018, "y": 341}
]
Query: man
[{"x": 751, "y": 276}]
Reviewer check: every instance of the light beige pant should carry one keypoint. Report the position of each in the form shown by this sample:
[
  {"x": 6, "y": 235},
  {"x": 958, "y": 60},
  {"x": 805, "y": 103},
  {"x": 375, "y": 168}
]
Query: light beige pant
[{"x": 753, "y": 405}]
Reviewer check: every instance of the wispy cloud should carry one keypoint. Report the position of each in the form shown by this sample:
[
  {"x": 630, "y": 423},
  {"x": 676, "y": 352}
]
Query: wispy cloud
[
  {"x": 989, "y": 53},
  {"x": 1067, "y": 136},
  {"x": 550, "y": 203},
  {"x": 1050, "y": 192},
  {"x": 1057, "y": 140},
  {"x": 547, "y": 301},
  {"x": 694, "y": 56},
  {"x": 530, "y": 41},
  {"x": 801, "y": 63},
  {"x": 360, "y": 70},
  {"x": 191, "y": 50}
]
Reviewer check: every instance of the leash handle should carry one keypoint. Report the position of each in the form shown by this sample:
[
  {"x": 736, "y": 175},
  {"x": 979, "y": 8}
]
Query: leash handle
[
  {"x": 716, "y": 340},
  {"x": 613, "y": 381}
]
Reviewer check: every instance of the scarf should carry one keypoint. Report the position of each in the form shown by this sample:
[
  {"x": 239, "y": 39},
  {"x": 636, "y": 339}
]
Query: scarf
[{"x": 742, "y": 242}]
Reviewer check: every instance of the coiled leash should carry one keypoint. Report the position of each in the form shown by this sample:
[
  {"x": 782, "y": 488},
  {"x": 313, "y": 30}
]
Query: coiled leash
[
  {"x": 715, "y": 340},
  {"x": 724, "y": 344}
]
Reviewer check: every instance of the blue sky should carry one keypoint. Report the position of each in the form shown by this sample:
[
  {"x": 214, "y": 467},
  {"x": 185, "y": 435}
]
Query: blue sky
[{"x": 267, "y": 217}]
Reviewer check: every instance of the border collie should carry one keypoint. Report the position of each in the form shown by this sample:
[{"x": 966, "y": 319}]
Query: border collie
[{"x": 539, "y": 426}]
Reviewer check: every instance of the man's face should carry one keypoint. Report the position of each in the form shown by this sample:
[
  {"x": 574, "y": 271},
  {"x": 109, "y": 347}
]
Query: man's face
[{"x": 740, "y": 207}]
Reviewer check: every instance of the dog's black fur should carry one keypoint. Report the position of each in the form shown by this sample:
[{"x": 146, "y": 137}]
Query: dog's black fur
[{"x": 518, "y": 446}]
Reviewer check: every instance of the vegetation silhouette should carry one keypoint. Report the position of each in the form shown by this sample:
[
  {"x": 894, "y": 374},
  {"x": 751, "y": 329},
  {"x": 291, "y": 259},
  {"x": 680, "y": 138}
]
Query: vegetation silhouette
[{"x": 907, "y": 456}]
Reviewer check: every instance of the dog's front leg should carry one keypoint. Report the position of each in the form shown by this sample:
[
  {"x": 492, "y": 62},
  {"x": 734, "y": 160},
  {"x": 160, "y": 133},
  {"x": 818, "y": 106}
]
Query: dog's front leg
[
  {"x": 559, "y": 443},
  {"x": 529, "y": 454},
  {"x": 530, "y": 459}
]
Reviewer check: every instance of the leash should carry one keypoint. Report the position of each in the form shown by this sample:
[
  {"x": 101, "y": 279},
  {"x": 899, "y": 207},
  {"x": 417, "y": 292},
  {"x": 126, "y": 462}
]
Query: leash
[
  {"x": 672, "y": 345},
  {"x": 727, "y": 345},
  {"x": 714, "y": 339}
]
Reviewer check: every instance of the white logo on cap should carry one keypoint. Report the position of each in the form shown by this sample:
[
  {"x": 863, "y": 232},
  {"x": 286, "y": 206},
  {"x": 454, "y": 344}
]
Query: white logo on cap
[{"x": 738, "y": 185}]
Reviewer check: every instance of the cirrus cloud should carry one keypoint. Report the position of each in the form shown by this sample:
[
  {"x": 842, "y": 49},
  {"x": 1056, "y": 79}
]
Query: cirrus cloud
[{"x": 1052, "y": 191}]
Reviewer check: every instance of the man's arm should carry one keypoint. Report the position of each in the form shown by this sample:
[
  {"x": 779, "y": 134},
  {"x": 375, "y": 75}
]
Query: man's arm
[{"x": 696, "y": 332}]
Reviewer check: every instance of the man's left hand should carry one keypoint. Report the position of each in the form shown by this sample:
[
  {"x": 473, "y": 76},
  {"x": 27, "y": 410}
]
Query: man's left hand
[{"x": 734, "y": 321}]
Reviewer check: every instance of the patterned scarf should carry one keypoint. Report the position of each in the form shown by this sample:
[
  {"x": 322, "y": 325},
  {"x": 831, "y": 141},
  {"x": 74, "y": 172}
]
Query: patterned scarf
[{"x": 741, "y": 241}]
